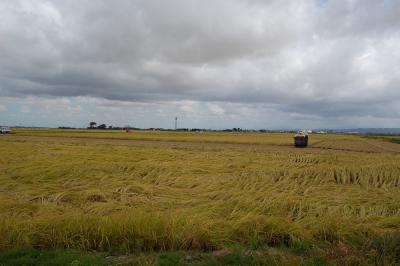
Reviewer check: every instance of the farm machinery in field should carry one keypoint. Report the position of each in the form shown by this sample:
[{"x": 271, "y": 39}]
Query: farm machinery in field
[
  {"x": 301, "y": 139},
  {"x": 5, "y": 130}
]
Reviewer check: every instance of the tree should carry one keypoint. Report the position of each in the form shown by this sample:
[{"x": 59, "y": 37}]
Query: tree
[
  {"x": 92, "y": 124},
  {"x": 102, "y": 126}
]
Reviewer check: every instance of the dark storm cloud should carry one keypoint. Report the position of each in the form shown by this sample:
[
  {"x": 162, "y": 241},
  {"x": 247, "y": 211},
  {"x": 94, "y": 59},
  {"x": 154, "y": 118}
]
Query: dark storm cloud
[{"x": 325, "y": 57}]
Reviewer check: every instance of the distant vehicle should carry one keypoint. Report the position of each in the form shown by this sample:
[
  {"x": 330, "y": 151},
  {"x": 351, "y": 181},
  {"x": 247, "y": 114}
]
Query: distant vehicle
[
  {"x": 301, "y": 139},
  {"x": 5, "y": 130}
]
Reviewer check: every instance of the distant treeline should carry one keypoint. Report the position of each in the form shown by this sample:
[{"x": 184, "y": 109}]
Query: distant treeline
[{"x": 93, "y": 125}]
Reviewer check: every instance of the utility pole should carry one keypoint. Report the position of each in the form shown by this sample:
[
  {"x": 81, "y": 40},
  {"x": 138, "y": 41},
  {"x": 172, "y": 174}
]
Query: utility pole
[{"x": 176, "y": 122}]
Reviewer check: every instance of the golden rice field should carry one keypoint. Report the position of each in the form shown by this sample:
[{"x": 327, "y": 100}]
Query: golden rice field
[{"x": 162, "y": 191}]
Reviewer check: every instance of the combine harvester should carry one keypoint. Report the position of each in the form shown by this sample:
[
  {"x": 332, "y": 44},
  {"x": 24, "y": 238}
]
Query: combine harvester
[{"x": 301, "y": 139}]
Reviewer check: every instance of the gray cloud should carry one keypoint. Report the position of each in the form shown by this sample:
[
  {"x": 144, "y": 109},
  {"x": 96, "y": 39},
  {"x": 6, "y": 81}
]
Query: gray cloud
[{"x": 319, "y": 58}]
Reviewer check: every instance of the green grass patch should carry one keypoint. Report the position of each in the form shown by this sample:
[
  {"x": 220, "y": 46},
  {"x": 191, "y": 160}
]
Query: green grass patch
[{"x": 29, "y": 256}]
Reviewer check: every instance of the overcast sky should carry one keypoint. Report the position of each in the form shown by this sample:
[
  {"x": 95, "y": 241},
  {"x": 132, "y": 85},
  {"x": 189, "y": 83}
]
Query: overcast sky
[{"x": 212, "y": 63}]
